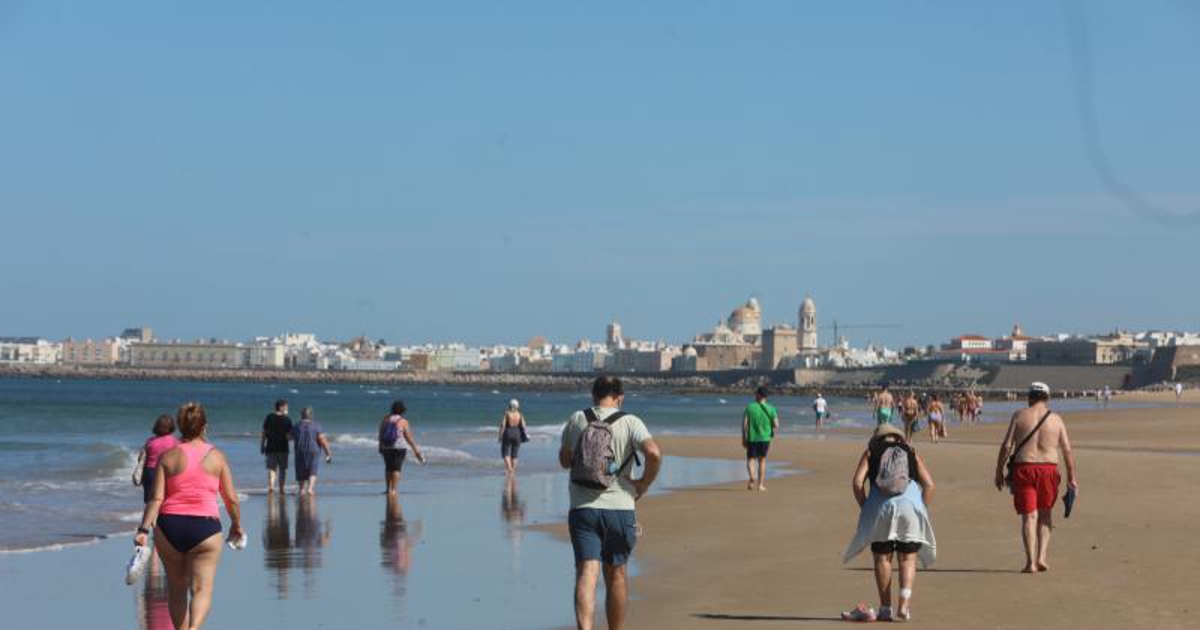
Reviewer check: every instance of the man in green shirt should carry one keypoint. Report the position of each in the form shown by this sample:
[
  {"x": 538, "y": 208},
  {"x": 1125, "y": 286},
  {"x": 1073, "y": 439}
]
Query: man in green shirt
[{"x": 759, "y": 423}]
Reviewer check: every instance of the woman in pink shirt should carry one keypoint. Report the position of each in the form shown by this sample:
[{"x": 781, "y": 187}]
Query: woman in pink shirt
[
  {"x": 187, "y": 519},
  {"x": 163, "y": 441}
]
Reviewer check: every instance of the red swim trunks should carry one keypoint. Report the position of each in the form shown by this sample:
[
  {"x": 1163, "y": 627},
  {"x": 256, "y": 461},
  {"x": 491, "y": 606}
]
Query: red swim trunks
[{"x": 1035, "y": 487}]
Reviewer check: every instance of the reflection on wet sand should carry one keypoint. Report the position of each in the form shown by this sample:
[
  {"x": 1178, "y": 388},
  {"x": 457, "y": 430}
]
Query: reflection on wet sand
[
  {"x": 396, "y": 540},
  {"x": 283, "y": 552},
  {"x": 277, "y": 543},
  {"x": 511, "y": 505},
  {"x": 152, "y": 602}
]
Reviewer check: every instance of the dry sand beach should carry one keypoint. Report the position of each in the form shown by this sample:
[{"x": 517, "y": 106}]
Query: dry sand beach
[{"x": 722, "y": 557}]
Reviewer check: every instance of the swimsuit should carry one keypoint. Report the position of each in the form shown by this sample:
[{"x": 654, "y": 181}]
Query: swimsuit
[
  {"x": 883, "y": 415},
  {"x": 1034, "y": 486},
  {"x": 510, "y": 444},
  {"x": 189, "y": 513}
]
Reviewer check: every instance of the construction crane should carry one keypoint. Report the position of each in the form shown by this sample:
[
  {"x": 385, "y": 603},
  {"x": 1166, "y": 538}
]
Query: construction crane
[{"x": 839, "y": 327}]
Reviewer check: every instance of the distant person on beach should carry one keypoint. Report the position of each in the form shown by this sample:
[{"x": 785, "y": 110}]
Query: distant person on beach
[
  {"x": 883, "y": 405},
  {"x": 910, "y": 412},
  {"x": 759, "y": 422},
  {"x": 893, "y": 519},
  {"x": 1178, "y": 392},
  {"x": 273, "y": 444},
  {"x": 600, "y": 446},
  {"x": 309, "y": 438},
  {"x": 1036, "y": 435},
  {"x": 513, "y": 433},
  {"x": 394, "y": 434},
  {"x": 820, "y": 409},
  {"x": 147, "y": 466},
  {"x": 937, "y": 419},
  {"x": 186, "y": 518}
]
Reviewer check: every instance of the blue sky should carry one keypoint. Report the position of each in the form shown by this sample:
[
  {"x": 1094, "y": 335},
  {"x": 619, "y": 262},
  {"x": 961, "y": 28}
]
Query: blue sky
[{"x": 490, "y": 171}]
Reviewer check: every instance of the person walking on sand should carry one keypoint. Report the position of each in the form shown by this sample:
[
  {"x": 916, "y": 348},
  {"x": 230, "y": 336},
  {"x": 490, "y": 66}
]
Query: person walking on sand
[
  {"x": 147, "y": 465},
  {"x": 186, "y": 519},
  {"x": 883, "y": 405},
  {"x": 273, "y": 444},
  {"x": 513, "y": 433},
  {"x": 309, "y": 438},
  {"x": 392, "y": 430},
  {"x": 937, "y": 419},
  {"x": 600, "y": 446},
  {"x": 1030, "y": 451},
  {"x": 759, "y": 422},
  {"x": 820, "y": 410},
  {"x": 910, "y": 412},
  {"x": 1178, "y": 393},
  {"x": 893, "y": 519}
]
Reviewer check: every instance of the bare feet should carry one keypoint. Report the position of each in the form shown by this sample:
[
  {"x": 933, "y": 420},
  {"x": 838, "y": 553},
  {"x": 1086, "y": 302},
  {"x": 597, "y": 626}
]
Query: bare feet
[
  {"x": 1029, "y": 568},
  {"x": 762, "y": 488},
  {"x": 1042, "y": 566},
  {"x": 750, "y": 485}
]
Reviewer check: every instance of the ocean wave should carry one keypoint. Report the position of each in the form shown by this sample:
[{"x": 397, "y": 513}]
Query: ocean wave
[
  {"x": 433, "y": 454},
  {"x": 53, "y": 547},
  {"x": 535, "y": 431}
]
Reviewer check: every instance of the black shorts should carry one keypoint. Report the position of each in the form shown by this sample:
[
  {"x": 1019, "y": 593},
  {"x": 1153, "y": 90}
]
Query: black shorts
[
  {"x": 148, "y": 483},
  {"x": 393, "y": 459},
  {"x": 510, "y": 448},
  {"x": 755, "y": 450},
  {"x": 892, "y": 546}
]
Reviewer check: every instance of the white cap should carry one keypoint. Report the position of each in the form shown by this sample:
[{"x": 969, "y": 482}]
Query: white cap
[
  {"x": 514, "y": 404},
  {"x": 1040, "y": 387}
]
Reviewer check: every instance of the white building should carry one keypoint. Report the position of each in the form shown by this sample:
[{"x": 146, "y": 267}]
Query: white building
[
  {"x": 33, "y": 350},
  {"x": 807, "y": 325}
]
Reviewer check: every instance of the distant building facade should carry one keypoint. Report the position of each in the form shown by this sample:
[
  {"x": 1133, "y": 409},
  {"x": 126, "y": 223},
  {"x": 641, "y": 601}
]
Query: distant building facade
[
  {"x": 779, "y": 344},
  {"x": 33, "y": 350},
  {"x": 88, "y": 352},
  {"x": 197, "y": 355},
  {"x": 1116, "y": 348}
]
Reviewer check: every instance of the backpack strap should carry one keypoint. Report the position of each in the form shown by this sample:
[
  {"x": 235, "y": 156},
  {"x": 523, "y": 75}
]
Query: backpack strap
[{"x": 1013, "y": 457}]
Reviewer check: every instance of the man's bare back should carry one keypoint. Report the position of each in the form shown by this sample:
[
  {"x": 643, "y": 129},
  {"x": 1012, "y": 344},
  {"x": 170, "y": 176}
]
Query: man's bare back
[{"x": 1044, "y": 447}]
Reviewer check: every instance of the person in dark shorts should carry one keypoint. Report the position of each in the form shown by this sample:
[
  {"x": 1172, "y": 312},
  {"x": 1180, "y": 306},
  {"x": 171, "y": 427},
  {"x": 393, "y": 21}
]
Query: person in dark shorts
[
  {"x": 512, "y": 435},
  {"x": 147, "y": 466},
  {"x": 276, "y": 433},
  {"x": 602, "y": 521},
  {"x": 759, "y": 422},
  {"x": 394, "y": 434}
]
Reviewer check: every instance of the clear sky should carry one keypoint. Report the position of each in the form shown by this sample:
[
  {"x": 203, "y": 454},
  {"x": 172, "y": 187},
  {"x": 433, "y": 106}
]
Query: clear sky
[{"x": 489, "y": 171}]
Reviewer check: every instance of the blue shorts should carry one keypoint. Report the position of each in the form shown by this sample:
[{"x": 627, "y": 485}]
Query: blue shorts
[
  {"x": 757, "y": 450},
  {"x": 605, "y": 535}
]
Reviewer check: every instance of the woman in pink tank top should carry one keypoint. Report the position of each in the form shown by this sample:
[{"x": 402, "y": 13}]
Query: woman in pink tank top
[
  {"x": 184, "y": 509},
  {"x": 163, "y": 441}
]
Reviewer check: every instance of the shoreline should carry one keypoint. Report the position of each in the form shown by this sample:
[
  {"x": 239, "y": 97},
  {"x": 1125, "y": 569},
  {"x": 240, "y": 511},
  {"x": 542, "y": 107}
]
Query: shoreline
[
  {"x": 719, "y": 554},
  {"x": 735, "y": 382}
]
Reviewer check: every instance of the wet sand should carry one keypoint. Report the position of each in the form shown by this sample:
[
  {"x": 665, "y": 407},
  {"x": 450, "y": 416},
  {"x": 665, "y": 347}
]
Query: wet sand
[{"x": 722, "y": 557}]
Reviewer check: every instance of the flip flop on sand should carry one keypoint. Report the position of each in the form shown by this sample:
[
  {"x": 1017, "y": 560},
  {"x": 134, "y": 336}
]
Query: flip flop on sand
[{"x": 861, "y": 613}]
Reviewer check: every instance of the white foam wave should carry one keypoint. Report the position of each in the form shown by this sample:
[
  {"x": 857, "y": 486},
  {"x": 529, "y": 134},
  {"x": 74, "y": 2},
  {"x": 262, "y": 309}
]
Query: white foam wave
[
  {"x": 535, "y": 431},
  {"x": 331, "y": 392},
  {"x": 356, "y": 441},
  {"x": 53, "y": 547}
]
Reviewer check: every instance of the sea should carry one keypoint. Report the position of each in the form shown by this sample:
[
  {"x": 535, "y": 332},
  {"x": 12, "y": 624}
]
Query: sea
[
  {"x": 462, "y": 546},
  {"x": 68, "y": 448}
]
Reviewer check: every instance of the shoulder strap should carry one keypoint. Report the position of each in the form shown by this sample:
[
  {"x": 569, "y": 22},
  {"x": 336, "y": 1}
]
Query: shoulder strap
[
  {"x": 1030, "y": 436},
  {"x": 590, "y": 415},
  {"x": 766, "y": 411},
  {"x": 616, "y": 415}
]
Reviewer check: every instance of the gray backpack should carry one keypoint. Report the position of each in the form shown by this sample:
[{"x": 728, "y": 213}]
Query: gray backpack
[
  {"x": 594, "y": 460},
  {"x": 892, "y": 477}
]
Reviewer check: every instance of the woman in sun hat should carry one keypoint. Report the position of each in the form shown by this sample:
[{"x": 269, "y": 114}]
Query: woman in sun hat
[{"x": 893, "y": 519}]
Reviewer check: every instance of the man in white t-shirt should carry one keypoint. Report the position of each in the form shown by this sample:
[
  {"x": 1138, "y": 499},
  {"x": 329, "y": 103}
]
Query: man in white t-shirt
[
  {"x": 602, "y": 521},
  {"x": 821, "y": 409},
  {"x": 1178, "y": 392}
]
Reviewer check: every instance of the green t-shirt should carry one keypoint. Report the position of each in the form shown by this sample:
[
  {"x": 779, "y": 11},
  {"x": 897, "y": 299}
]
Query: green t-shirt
[{"x": 759, "y": 426}]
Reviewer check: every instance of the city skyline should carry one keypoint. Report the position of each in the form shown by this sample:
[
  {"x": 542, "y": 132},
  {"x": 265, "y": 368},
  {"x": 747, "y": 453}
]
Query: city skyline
[{"x": 429, "y": 173}]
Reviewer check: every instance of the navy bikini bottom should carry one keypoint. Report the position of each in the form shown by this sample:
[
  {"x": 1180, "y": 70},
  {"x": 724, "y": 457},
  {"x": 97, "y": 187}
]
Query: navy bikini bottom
[{"x": 185, "y": 532}]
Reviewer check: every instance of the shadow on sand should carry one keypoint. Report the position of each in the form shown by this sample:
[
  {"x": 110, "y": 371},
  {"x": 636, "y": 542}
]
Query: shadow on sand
[
  {"x": 869, "y": 570},
  {"x": 725, "y": 617}
]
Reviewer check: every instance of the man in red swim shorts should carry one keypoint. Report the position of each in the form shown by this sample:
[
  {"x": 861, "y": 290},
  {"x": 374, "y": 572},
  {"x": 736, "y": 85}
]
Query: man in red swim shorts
[{"x": 1035, "y": 438}]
